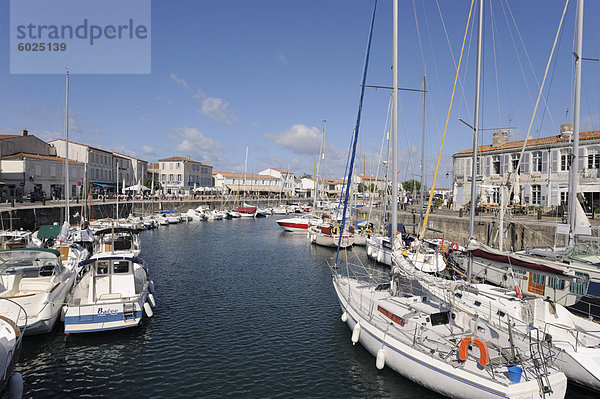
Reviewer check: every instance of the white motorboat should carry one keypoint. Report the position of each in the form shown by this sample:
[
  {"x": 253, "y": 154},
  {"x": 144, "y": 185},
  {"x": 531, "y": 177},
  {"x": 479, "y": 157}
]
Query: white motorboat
[
  {"x": 441, "y": 347},
  {"x": 299, "y": 223},
  {"x": 37, "y": 280},
  {"x": 280, "y": 210},
  {"x": 195, "y": 215},
  {"x": 11, "y": 337},
  {"x": 234, "y": 214},
  {"x": 113, "y": 294},
  {"x": 379, "y": 248}
]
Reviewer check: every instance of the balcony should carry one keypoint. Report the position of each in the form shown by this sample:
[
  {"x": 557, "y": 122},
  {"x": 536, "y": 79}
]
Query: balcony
[{"x": 590, "y": 174}]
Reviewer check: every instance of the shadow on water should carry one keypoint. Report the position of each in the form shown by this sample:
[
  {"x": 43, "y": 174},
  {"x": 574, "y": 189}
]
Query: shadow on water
[{"x": 243, "y": 310}]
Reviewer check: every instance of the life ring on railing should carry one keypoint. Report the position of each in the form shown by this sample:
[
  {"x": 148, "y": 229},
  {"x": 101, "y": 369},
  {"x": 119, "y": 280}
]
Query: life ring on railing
[
  {"x": 484, "y": 353},
  {"x": 454, "y": 246},
  {"x": 369, "y": 232},
  {"x": 336, "y": 229}
]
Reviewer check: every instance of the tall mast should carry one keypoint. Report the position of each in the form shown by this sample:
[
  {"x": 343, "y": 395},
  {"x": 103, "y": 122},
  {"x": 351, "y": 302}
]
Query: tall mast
[
  {"x": 245, "y": 166},
  {"x": 422, "y": 152},
  {"x": 575, "y": 158},
  {"x": 394, "y": 125},
  {"x": 475, "y": 134},
  {"x": 67, "y": 181}
]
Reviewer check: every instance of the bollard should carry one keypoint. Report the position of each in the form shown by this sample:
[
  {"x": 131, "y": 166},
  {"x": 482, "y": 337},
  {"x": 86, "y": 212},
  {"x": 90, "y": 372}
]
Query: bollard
[
  {"x": 12, "y": 202},
  {"x": 539, "y": 214},
  {"x": 460, "y": 212}
]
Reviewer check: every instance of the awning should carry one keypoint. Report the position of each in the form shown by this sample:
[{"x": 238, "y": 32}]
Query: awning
[
  {"x": 49, "y": 231},
  {"x": 104, "y": 185}
]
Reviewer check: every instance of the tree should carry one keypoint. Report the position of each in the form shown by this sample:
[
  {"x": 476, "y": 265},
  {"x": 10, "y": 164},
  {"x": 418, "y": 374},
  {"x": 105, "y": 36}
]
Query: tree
[
  {"x": 306, "y": 176},
  {"x": 409, "y": 184},
  {"x": 148, "y": 183}
]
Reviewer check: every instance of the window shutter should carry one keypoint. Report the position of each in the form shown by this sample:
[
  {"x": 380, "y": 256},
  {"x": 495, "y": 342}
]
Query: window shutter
[
  {"x": 504, "y": 164},
  {"x": 554, "y": 157},
  {"x": 527, "y": 193},
  {"x": 582, "y": 159},
  {"x": 554, "y": 195},
  {"x": 487, "y": 165},
  {"x": 525, "y": 163},
  {"x": 544, "y": 161},
  {"x": 544, "y": 201}
]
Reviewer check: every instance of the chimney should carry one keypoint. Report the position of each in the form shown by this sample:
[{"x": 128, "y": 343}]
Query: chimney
[
  {"x": 499, "y": 137},
  {"x": 24, "y": 132},
  {"x": 566, "y": 130}
]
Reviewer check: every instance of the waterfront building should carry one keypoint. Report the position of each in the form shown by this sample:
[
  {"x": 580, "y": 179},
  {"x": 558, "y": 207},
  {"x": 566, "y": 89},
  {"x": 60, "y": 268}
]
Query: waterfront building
[
  {"x": 286, "y": 179},
  {"x": 543, "y": 176},
  {"x": 179, "y": 175},
  {"x": 251, "y": 184},
  {"x": 134, "y": 169}
]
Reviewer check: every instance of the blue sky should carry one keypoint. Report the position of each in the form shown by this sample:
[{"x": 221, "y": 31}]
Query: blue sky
[{"x": 264, "y": 74}]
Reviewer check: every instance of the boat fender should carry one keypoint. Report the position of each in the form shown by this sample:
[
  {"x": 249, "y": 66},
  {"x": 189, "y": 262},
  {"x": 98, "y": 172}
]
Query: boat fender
[
  {"x": 148, "y": 309},
  {"x": 369, "y": 250},
  {"x": 454, "y": 246},
  {"x": 336, "y": 229},
  {"x": 379, "y": 256},
  {"x": 151, "y": 286},
  {"x": 15, "y": 386},
  {"x": 484, "y": 353},
  {"x": 380, "y": 362},
  {"x": 63, "y": 312},
  {"x": 369, "y": 232},
  {"x": 355, "y": 333},
  {"x": 344, "y": 317},
  {"x": 151, "y": 300}
]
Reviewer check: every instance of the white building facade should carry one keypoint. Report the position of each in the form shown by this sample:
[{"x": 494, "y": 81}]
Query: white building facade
[{"x": 182, "y": 175}]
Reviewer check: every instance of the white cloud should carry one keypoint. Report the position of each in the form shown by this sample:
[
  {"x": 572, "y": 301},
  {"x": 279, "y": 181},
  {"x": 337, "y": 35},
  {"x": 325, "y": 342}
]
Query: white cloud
[
  {"x": 195, "y": 144},
  {"x": 300, "y": 138},
  {"x": 146, "y": 149},
  {"x": 281, "y": 59},
  {"x": 216, "y": 108},
  {"x": 144, "y": 120},
  {"x": 179, "y": 81}
]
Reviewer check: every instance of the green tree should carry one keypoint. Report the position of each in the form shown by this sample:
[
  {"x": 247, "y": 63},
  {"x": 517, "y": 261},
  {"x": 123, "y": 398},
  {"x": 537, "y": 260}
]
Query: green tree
[
  {"x": 148, "y": 183},
  {"x": 306, "y": 176},
  {"x": 410, "y": 184}
]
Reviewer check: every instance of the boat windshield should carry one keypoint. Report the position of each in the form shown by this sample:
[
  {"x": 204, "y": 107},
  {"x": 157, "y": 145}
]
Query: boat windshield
[
  {"x": 28, "y": 262},
  {"x": 586, "y": 250}
]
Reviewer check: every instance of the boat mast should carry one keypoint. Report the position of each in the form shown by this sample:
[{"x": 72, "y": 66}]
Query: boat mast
[
  {"x": 245, "y": 166},
  {"x": 394, "y": 124},
  {"x": 576, "y": 110},
  {"x": 475, "y": 134},
  {"x": 67, "y": 184},
  {"x": 422, "y": 153}
]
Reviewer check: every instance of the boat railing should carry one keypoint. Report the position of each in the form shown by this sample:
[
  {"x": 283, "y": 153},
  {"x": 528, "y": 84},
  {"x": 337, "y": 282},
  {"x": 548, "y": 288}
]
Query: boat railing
[
  {"x": 12, "y": 354},
  {"x": 570, "y": 331}
]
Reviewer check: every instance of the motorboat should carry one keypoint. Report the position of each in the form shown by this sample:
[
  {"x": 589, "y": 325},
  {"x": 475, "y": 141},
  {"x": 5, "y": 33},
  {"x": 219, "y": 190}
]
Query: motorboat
[
  {"x": 327, "y": 234},
  {"x": 195, "y": 215},
  {"x": 37, "y": 280},
  {"x": 379, "y": 249},
  {"x": 234, "y": 214},
  {"x": 299, "y": 223},
  {"x": 246, "y": 211},
  {"x": 114, "y": 293},
  {"x": 11, "y": 337}
]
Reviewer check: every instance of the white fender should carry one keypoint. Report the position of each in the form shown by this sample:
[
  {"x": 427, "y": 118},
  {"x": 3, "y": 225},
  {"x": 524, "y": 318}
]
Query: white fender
[
  {"x": 380, "y": 362},
  {"x": 379, "y": 256},
  {"x": 63, "y": 312},
  {"x": 344, "y": 317},
  {"x": 15, "y": 386},
  {"x": 355, "y": 333},
  {"x": 151, "y": 300},
  {"x": 151, "y": 286},
  {"x": 148, "y": 310},
  {"x": 369, "y": 250}
]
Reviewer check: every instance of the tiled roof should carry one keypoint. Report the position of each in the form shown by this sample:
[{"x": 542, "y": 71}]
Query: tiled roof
[
  {"x": 83, "y": 145},
  {"x": 248, "y": 176},
  {"x": 181, "y": 159},
  {"x": 36, "y": 156},
  {"x": 10, "y": 136},
  {"x": 593, "y": 135},
  {"x": 371, "y": 178},
  {"x": 282, "y": 171}
]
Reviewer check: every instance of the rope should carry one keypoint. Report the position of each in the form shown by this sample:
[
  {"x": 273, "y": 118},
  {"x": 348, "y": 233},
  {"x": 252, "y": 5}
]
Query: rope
[
  {"x": 445, "y": 128},
  {"x": 356, "y": 128},
  {"x": 537, "y": 102}
]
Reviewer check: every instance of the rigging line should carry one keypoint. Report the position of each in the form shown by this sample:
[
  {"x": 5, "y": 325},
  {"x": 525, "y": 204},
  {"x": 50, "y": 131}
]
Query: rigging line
[
  {"x": 462, "y": 89},
  {"x": 494, "y": 33},
  {"x": 356, "y": 129},
  {"x": 527, "y": 54},
  {"x": 445, "y": 128},
  {"x": 537, "y": 102},
  {"x": 419, "y": 37}
]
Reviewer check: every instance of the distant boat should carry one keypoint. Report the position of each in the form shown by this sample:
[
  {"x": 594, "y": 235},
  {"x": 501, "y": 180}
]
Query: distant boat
[
  {"x": 299, "y": 223},
  {"x": 246, "y": 211}
]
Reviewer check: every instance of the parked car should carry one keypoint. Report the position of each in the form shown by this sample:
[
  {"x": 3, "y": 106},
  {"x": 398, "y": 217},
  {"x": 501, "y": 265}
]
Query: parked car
[{"x": 34, "y": 196}]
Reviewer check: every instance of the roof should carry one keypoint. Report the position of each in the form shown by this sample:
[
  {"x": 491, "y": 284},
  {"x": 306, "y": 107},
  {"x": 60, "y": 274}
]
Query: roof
[
  {"x": 247, "y": 175},
  {"x": 592, "y": 135},
  {"x": 364, "y": 177},
  {"x": 155, "y": 165},
  {"x": 282, "y": 171},
  {"x": 36, "y": 156},
  {"x": 182, "y": 159},
  {"x": 10, "y": 136},
  {"x": 83, "y": 145}
]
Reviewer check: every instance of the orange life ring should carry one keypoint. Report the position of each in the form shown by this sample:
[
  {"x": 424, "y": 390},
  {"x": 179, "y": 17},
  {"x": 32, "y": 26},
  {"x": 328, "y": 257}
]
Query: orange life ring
[
  {"x": 454, "y": 246},
  {"x": 484, "y": 353}
]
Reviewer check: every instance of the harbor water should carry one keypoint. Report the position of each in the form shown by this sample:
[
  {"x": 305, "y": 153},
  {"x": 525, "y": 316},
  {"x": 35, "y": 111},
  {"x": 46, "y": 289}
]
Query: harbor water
[{"x": 244, "y": 310}]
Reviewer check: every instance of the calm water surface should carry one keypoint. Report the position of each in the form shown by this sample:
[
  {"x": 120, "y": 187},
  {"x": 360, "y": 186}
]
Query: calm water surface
[{"x": 243, "y": 310}]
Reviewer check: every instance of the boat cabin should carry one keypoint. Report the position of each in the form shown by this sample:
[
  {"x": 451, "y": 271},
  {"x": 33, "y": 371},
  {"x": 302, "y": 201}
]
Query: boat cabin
[
  {"x": 27, "y": 271},
  {"x": 111, "y": 279}
]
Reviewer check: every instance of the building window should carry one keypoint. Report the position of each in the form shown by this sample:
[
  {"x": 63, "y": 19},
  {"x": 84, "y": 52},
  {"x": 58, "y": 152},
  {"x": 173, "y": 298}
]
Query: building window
[
  {"x": 170, "y": 165},
  {"x": 536, "y": 194},
  {"x": 171, "y": 177},
  {"x": 593, "y": 158},
  {"x": 515, "y": 162},
  {"x": 178, "y": 165},
  {"x": 163, "y": 177},
  {"x": 179, "y": 177},
  {"x": 536, "y": 161},
  {"x": 162, "y": 165},
  {"x": 564, "y": 160},
  {"x": 496, "y": 164}
]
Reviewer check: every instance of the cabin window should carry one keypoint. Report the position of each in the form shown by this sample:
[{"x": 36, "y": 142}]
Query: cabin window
[
  {"x": 519, "y": 271},
  {"x": 121, "y": 267},
  {"x": 440, "y": 318},
  {"x": 556, "y": 283},
  {"x": 580, "y": 287},
  {"x": 539, "y": 278},
  {"x": 102, "y": 268}
]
